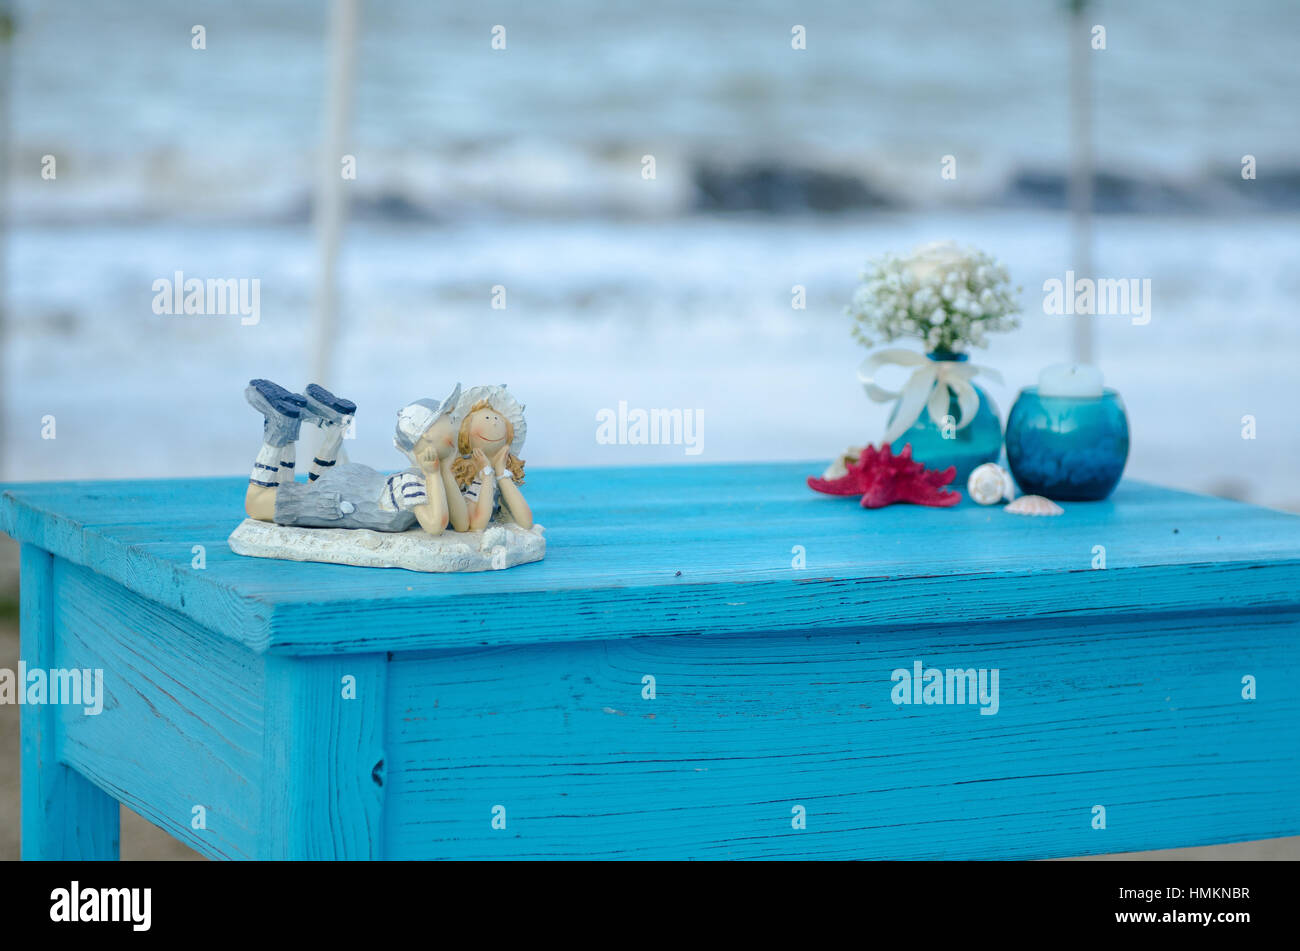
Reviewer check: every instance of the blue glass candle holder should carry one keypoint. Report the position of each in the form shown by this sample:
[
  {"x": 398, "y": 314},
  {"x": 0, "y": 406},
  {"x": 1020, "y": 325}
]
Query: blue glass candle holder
[{"x": 1067, "y": 448}]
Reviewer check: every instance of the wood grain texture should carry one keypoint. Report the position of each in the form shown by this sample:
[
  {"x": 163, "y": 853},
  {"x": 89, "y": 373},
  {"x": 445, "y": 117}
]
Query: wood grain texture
[
  {"x": 182, "y": 723},
  {"x": 1147, "y": 721},
  {"x": 690, "y": 549},
  {"x": 324, "y": 758},
  {"x": 64, "y": 815}
]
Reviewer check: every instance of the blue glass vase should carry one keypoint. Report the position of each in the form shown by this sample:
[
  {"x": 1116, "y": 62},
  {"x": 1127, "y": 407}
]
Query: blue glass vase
[
  {"x": 1068, "y": 448},
  {"x": 972, "y": 445}
]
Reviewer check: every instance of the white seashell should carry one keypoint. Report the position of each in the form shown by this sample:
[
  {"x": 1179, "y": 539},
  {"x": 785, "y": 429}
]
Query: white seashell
[
  {"x": 1034, "y": 505},
  {"x": 839, "y": 465},
  {"x": 990, "y": 484}
]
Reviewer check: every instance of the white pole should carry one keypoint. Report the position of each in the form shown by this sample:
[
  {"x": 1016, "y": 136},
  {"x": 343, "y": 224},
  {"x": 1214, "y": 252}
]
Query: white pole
[
  {"x": 1080, "y": 189},
  {"x": 8, "y": 26},
  {"x": 331, "y": 204}
]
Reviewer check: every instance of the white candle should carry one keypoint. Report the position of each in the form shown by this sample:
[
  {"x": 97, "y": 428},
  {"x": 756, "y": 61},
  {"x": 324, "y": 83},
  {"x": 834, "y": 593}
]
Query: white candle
[{"x": 1070, "y": 379}]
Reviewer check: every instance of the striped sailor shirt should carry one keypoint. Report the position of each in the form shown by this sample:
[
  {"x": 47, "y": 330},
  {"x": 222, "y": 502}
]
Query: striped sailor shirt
[
  {"x": 403, "y": 490},
  {"x": 471, "y": 496}
]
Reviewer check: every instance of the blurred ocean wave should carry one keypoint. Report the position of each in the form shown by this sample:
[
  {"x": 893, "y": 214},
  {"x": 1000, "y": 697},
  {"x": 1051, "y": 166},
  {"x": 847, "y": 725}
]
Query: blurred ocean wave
[
  {"x": 144, "y": 127},
  {"x": 554, "y": 181}
]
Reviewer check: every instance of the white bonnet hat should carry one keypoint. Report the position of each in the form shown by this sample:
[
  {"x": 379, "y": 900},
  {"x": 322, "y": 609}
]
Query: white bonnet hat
[
  {"x": 414, "y": 419},
  {"x": 501, "y": 401}
]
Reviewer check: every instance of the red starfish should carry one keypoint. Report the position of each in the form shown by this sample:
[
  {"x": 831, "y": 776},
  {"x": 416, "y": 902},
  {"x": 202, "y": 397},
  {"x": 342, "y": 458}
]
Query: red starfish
[{"x": 883, "y": 479}]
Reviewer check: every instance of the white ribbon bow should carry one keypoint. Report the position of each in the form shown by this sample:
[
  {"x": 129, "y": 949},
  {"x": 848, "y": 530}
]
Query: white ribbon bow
[{"x": 926, "y": 388}]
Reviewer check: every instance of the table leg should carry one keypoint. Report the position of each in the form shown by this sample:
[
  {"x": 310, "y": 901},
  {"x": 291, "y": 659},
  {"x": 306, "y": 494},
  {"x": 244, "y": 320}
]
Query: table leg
[
  {"x": 323, "y": 795},
  {"x": 65, "y": 816}
]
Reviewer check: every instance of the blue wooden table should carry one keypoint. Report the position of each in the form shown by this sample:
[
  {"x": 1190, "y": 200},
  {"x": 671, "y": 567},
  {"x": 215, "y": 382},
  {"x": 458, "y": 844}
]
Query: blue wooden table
[{"x": 705, "y": 665}]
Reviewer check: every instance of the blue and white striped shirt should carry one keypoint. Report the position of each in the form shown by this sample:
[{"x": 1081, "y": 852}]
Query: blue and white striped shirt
[
  {"x": 471, "y": 495},
  {"x": 404, "y": 491}
]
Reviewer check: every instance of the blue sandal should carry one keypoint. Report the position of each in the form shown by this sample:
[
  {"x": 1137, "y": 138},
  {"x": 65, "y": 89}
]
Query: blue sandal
[
  {"x": 325, "y": 406},
  {"x": 282, "y": 409}
]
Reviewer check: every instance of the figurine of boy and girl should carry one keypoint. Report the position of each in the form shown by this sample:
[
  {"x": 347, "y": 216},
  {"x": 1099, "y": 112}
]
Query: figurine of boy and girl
[{"x": 465, "y": 453}]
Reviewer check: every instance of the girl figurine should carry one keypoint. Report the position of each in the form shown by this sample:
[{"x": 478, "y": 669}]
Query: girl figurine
[
  {"x": 489, "y": 470},
  {"x": 352, "y": 495}
]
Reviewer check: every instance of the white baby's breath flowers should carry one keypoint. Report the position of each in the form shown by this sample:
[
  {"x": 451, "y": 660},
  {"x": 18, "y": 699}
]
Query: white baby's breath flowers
[{"x": 942, "y": 294}]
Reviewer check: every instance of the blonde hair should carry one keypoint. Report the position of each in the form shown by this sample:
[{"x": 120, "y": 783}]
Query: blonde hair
[{"x": 464, "y": 468}]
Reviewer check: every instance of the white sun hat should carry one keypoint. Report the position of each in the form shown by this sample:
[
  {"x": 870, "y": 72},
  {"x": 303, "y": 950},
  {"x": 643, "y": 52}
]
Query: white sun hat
[
  {"x": 414, "y": 419},
  {"x": 501, "y": 400}
]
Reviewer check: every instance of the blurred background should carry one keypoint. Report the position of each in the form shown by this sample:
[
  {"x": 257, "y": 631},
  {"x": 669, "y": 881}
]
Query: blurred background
[{"x": 522, "y": 168}]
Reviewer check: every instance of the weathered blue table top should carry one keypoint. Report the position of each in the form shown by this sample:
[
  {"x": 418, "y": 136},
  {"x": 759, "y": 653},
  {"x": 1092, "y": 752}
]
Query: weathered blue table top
[
  {"x": 673, "y": 550},
  {"x": 325, "y": 711}
]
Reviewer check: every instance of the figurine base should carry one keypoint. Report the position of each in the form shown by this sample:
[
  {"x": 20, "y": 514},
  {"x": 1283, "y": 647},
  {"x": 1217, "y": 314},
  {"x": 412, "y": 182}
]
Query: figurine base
[{"x": 500, "y": 545}]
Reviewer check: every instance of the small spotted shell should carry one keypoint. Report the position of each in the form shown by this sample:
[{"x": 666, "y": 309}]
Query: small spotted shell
[
  {"x": 1034, "y": 505},
  {"x": 990, "y": 484}
]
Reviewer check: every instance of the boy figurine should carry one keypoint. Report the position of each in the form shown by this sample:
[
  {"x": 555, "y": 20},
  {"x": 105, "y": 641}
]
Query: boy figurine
[{"x": 352, "y": 495}]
